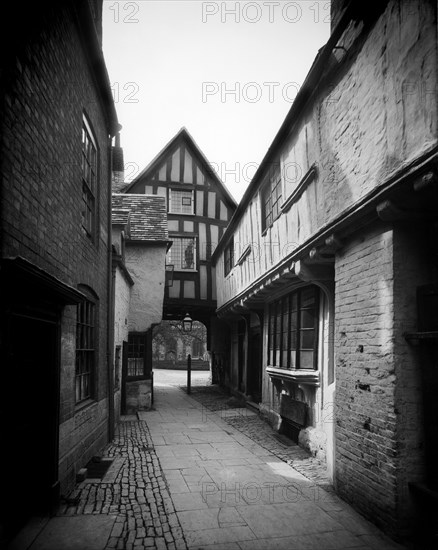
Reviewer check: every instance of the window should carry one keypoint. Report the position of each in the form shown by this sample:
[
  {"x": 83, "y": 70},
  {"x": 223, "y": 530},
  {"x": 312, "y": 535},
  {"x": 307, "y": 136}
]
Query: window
[
  {"x": 136, "y": 355},
  {"x": 182, "y": 253},
  {"x": 229, "y": 257},
  {"x": 271, "y": 199},
  {"x": 181, "y": 202},
  {"x": 293, "y": 330},
  {"x": 89, "y": 178},
  {"x": 85, "y": 350}
]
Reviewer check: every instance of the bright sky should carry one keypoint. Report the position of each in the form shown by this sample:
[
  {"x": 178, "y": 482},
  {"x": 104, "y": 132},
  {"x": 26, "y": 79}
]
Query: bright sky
[{"x": 227, "y": 71}]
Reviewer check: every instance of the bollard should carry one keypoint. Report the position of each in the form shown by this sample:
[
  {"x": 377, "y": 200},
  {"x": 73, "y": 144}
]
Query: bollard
[{"x": 189, "y": 372}]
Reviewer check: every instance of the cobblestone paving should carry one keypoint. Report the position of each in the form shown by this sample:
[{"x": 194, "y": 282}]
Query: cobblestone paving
[
  {"x": 138, "y": 495},
  {"x": 236, "y": 414}
]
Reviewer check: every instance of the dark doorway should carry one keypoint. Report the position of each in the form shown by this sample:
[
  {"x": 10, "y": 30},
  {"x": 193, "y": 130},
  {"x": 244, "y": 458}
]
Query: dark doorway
[
  {"x": 255, "y": 364},
  {"x": 241, "y": 354},
  {"x": 124, "y": 375},
  {"x": 29, "y": 413}
]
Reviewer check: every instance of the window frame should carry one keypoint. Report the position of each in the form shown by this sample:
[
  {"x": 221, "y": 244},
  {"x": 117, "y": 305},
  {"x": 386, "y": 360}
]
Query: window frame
[
  {"x": 271, "y": 196},
  {"x": 183, "y": 190},
  {"x": 86, "y": 342},
  {"x": 174, "y": 261},
  {"x": 140, "y": 336},
  {"x": 283, "y": 343},
  {"x": 89, "y": 178},
  {"x": 229, "y": 258}
]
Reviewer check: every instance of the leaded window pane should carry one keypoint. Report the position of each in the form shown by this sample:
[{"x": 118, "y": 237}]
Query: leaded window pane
[
  {"x": 181, "y": 201},
  {"x": 271, "y": 200},
  {"x": 182, "y": 254}
]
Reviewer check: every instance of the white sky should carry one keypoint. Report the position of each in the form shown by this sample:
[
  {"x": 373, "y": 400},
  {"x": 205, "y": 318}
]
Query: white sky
[{"x": 229, "y": 78}]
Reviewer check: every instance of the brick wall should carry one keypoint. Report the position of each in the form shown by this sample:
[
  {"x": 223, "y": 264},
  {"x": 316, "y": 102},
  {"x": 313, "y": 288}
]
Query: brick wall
[
  {"x": 380, "y": 437},
  {"x": 366, "y": 438},
  {"x": 47, "y": 87}
]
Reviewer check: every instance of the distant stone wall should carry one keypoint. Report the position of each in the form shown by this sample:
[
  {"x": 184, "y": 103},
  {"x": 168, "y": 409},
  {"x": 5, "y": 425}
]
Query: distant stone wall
[
  {"x": 138, "y": 396},
  {"x": 197, "y": 364}
]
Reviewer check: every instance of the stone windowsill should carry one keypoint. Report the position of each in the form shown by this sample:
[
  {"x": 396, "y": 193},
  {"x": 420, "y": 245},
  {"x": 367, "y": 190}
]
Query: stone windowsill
[{"x": 309, "y": 377}]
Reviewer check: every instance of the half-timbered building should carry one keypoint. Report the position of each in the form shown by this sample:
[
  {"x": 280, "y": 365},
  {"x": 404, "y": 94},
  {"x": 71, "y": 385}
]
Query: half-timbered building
[{"x": 199, "y": 208}]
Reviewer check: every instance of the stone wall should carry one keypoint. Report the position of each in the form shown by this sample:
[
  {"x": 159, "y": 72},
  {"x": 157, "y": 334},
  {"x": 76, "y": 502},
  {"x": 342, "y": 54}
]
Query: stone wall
[
  {"x": 138, "y": 396},
  {"x": 146, "y": 266},
  {"x": 122, "y": 293}
]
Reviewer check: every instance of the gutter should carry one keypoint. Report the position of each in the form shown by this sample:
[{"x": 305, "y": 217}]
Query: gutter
[
  {"x": 118, "y": 262},
  {"x": 110, "y": 304},
  {"x": 141, "y": 242}
]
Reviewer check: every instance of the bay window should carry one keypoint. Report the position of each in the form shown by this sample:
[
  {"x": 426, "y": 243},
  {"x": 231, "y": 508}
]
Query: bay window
[{"x": 293, "y": 330}]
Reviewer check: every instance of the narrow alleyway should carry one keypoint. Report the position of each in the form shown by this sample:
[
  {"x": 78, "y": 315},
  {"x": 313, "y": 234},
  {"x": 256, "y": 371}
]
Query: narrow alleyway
[{"x": 201, "y": 472}]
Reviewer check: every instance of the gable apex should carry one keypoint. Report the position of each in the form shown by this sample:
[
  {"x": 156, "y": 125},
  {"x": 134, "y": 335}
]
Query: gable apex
[{"x": 181, "y": 160}]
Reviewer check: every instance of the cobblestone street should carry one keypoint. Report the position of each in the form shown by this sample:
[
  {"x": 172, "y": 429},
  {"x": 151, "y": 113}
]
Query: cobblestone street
[
  {"x": 138, "y": 494},
  {"x": 201, "y": 472}
]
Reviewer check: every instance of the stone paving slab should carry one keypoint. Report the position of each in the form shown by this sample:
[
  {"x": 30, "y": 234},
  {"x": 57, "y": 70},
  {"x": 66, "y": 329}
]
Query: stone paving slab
[
  {"x": 242, "y": 490},
  {"x": 75, "y": 533},
  {"x": 187, "y": 477}
]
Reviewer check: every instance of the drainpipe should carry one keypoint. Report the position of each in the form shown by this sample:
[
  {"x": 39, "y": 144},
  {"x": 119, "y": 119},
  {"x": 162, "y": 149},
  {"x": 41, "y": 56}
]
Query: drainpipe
[{"x": 110, "y": 304}]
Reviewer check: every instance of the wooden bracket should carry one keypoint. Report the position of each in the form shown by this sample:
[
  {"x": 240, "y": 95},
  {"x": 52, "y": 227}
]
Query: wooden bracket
[
  {"x": 388, "y": 212},
  {"x": 317, "y": 257},
  {"x": 316, "y": 272}
]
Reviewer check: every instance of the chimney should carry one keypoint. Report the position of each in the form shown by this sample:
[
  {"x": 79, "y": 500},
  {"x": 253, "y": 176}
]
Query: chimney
[{"x": 118, "y": 167}]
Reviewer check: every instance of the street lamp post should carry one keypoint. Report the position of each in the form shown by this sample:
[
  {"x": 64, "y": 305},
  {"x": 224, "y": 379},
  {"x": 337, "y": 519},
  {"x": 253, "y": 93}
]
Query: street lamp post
[{"x": 187, "y": 327}]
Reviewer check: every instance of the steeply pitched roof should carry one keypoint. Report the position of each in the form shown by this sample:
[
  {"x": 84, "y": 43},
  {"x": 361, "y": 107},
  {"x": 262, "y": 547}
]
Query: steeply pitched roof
[
  {"x": 183, "y": 134},
  {"x": 147, "y": 216}
]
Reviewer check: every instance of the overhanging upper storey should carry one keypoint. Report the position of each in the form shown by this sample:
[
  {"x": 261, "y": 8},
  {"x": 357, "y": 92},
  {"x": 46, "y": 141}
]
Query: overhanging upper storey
[{"x": 334, "y": 165}]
